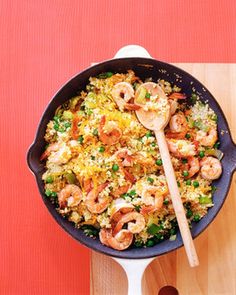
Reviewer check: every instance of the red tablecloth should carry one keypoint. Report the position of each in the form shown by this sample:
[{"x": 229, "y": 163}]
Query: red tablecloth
[{"x": 42, "y": 44}]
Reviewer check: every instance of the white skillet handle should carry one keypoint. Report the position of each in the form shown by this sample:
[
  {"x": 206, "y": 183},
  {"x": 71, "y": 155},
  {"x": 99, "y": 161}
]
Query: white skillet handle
[
  {"x": 134, "y": 269},
  {"x": 132, "y": 51}
]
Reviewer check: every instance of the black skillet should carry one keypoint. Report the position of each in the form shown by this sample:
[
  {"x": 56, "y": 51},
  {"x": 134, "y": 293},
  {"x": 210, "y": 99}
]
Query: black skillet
[{"x": 144, "y": 68}]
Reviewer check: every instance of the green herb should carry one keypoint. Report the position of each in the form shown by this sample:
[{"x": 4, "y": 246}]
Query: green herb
[
  {"x": 151, "y": 180},
  {"x": 148, "y": 95},
  {"x": 196, "y": 217},
  {"x": 90, "y": 230},
  {"x": 105, "y": 75},
  {"x": 189, "y": 213},
  {"x": 197, "y": 124},
  {"x": 115, "y": 167},
  {"x": 194, "y": 98},
  {"x": 214, "y": 117},
  {"x": 159, "y": 162},
  {"x": 101, "y": 149},
  {"x": 153, "y": 229},
  {"x": 195, "y": 183},
  {"x": 56, "y": 126},
  {"x": 150, "y": 243},
  {"x": 184, "y": 161},
  {"x": 138, "y": 244},
  {"x": 201, "y": 154},
  {"x": 187, "y": 135},
  {"x": 148, "y": 134},
  {"x": 188, "y": 182},
  {"x": 93, "y": 158},
  {"x": 213, "y": 188},
  {"x": 95, "y": 132},
  {"x": 67, "y": 124},
  {"x": 185, "y": 173},
  {"x": 166, "y": 202},
  {"x": 153, "y": 144},
  {"x": 51, "y": 194},
  {"x": 49, "y": 179},
  {"x": 56, "y": 119},
  {"x": 178, "y": 183},
  {"x": 81, "y": 139},
  {"x": 217, "y": 145},
  {"x": 89, "y": 112},
  {"x": 132, "y": 193},
  {"x": 137, "y": 208}
]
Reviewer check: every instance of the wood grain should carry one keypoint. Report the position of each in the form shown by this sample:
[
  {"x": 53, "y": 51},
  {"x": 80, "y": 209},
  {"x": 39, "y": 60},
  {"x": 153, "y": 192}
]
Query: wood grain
[{"x": 216, "y": 274}]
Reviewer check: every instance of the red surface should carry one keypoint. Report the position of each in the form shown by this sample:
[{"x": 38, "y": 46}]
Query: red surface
[{"x": 42, "y": 44}]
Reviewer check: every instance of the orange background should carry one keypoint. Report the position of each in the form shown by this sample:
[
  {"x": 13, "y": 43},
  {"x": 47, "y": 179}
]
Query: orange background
[{"x": 42, "y": 44}]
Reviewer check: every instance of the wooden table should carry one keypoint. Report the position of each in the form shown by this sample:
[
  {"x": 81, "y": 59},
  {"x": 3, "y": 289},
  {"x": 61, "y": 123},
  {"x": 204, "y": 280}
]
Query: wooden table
[{"x": 216, "y": 247}]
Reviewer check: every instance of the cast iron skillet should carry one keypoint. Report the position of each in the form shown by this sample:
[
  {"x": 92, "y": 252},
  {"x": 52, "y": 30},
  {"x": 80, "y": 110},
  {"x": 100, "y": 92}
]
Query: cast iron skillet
[{"x": 144, "y": 68}]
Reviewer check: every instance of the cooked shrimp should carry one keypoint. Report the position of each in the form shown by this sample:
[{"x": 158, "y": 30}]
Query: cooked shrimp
[
  {"x": 181, "y": 148},
  {"x": 194, "y": 166},
  {"x": 122, "y": 93},
  {"x": 207, "y": 138},
  {"x": 120, "y": 190},
  {"x": 128, "y": 176},
  {"x": 53, "y": 147},
  {"x": 121, "y": 241},
  {"x": 58, "y": 153},
  {"x": 177, "y": 95},
  {"x": 70, "y": 196},
  {"x": 94, "y": 202},
  {"x": 210, "y": 168},
  {"x": 119, "y": 208},
  {"x": 87, "y": 185},
  {"x": 111, "y": 136},
  {"x": 178, "y": 126},
  {"x": 134, "y": 227},
  {"x": 153, "y": 198},
  {"x": 173, "y": 106},
  {"x": 125, "y": 155}
]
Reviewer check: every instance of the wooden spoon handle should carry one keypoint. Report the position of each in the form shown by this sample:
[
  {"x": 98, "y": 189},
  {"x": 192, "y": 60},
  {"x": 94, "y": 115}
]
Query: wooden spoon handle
[{"x": 176, "y": 199}]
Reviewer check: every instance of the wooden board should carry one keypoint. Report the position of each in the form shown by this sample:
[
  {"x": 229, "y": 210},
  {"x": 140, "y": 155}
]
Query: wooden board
[{"x": 216, "y": 247}]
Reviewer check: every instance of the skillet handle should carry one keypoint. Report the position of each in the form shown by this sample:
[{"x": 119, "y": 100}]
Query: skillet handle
[
  {"x": 132, "y": 51},
  {"x": 134, "y": 269}
]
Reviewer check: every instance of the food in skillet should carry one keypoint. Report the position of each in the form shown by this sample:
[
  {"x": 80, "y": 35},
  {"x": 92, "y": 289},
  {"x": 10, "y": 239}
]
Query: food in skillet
[{"x": 103, "y": 168}]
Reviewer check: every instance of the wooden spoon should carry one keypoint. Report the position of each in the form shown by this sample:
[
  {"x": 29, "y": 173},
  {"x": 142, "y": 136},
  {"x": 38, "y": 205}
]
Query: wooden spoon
[{"x": 157, "y": 121}]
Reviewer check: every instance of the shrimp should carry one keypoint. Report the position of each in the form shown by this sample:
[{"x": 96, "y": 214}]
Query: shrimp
[
  {"x": 109, "y": 137},
  {"x": 122, "y": 93},
  {"x": 207, "y": 138},
  {"x": 53, "y": 147},
  {"x": 178, "y": 126},
  {"x": 94, "y": 202},
  {"x": 125, "y": 155},
  {"x": 120, "y": 207},
  {"x": 70, "y": 196},
  {"x": 177, "y": 95},
  {"x": 128, "y": 176},
  {"x": 153, "y": 198},
  {"x": 210, "y": 168},
  {"x": 120, "y": 191},
  {"x": 133, "y": 227},
  {"x": 58, "y": 153},
  {"x": 173, "y": 106},
  {"x": 181, "y": 148},
  {"x": 194, "y": 166},
  {"x": 121, "y": 241}
]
